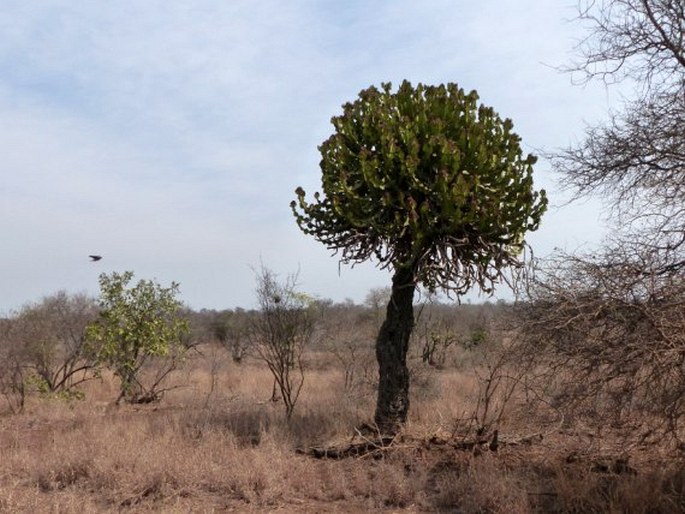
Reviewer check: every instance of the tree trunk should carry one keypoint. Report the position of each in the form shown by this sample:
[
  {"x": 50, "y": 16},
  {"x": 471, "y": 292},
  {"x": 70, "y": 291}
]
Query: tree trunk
[{"x": 391, "y": 352}]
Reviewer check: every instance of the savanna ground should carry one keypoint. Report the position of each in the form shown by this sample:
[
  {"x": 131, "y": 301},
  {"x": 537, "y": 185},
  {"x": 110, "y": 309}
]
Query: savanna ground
[{"x": 218, "y": 444}]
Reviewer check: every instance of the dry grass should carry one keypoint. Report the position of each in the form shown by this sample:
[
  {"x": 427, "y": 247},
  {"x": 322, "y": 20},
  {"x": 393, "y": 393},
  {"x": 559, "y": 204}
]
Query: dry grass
[{"x": 218, "y": 445}]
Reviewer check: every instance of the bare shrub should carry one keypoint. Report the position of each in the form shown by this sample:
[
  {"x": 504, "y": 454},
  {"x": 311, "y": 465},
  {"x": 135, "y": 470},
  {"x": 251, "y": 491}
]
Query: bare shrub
[
  {"x": 503, "y": 386},
  {"x": 279, "y": 334},
  {"x": 497, "y": 383},
  {"x": 51, "y": 334},
  {"x": 445, "y": 333},
  {"x": 231, "y": 329},
  {"x": 213, "y": 355},
  {"x": 434, "y": 333},
  {"x": 349, "y": 333},
  {"x": 43, "y": 348},
  {"x": 610, "y": 331},
  {"x": 13, "y": 372}
]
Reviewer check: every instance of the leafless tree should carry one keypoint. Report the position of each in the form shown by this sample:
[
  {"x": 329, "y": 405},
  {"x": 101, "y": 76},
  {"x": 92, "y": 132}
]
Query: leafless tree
[
  {"x": 637, "y": 39},
  {"x": 280, "y": 333},
  {"x": 609, "y": 326},
  {"x": 636, "y": 160}
]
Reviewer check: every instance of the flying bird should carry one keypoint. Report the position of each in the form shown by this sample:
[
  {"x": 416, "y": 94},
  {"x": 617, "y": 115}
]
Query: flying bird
[{"x": 94, "y": 258}]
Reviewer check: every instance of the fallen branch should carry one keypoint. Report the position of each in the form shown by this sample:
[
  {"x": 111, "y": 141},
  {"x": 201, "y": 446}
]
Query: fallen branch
[
  {"x": 378, "y": 446},
  {"x": 367, "y": 447}
]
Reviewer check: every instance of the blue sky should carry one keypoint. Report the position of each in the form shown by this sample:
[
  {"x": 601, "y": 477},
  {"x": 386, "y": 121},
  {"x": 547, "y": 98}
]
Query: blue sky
[{"x": 169, "y": 136}]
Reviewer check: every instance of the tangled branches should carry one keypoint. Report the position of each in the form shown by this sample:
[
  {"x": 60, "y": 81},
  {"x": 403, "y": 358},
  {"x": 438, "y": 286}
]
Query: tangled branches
[{"x": 609, "y": 332}]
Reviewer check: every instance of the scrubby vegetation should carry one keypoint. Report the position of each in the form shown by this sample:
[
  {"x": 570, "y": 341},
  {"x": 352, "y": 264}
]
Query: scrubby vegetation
[{"x": 220, "y": 441}]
